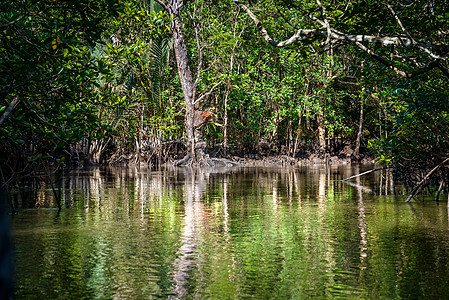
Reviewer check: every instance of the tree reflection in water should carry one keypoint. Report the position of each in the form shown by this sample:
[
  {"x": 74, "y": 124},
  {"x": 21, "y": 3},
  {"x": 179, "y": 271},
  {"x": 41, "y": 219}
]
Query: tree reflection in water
[
  {"x": 194, "y": 187},
  {"x": 238, "y": 233}
]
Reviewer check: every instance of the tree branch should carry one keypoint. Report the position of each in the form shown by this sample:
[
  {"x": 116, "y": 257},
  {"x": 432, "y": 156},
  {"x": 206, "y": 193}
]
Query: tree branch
[
  {"x": 398, "y": 20},
  {"x": 13, "y": 22},
  {"x": 200, "y": 51},
  {"x": 367, "y": 172},
  {"x": 256, "y": 21},
  {"x": 208, "y": 93},
  {"x": 326, "y": 22},
  {"x": 9, "y": 109},
  {"x": 358, "y": 39},
  {"x": 431, "y": 65}
]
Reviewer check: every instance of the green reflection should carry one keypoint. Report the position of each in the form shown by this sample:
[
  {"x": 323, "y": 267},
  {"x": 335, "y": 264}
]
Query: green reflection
[{"x": 244, "y": 233}]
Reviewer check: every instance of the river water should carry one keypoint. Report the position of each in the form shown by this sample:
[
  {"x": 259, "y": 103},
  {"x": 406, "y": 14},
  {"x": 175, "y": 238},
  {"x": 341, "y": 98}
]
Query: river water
[{"x": 261, "y": 233}]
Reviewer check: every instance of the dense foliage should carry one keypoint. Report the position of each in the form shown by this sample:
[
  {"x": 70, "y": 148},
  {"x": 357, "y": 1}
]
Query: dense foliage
[
  {"x": 47, "y": 72},
  {"x": 91, "y": 81}
]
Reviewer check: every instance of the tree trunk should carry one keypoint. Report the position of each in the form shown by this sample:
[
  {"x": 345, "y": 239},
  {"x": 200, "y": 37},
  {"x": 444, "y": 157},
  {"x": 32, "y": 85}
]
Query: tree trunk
[
  {"x": 321, "y": 131},
  {"x": 225, "y": 122},
  {"x": 359, "y": 133},
  {"x": 194, "y": 137},
  {"x": 298, "y": 132}
]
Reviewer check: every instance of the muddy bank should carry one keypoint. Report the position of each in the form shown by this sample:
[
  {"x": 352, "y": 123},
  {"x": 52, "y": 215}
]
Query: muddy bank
[
  {"x": 284, "y": 160},
  {"x": 212, "y": 159},
  {"x": 289, "y": 161},
  {"x": 258, "y": 160},
  {"x": 306, "y": 157}
]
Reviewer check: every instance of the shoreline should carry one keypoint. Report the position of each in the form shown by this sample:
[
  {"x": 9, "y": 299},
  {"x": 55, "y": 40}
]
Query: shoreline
[{"x": 258, "y": 160}]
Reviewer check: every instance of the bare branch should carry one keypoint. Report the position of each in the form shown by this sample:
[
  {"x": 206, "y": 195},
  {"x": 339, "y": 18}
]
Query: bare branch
[
  {"x": 12, "y": 22},
  {"x": 200, "y": 51},
  {"x": 399, "y": 21},
  {"x": 367, "y": 172},
  {"x": 208, "y": 93},
  {"x": 211, "y": 65},
  {"x": 433, "y": 55},
  {"x": 326, "y": 22},
  {"x": 259, "y": 25},
  {"x": 358, "y": 39},
  {"x": 431, "y": 65},
  {"x": 307, "y": 34},
  {"x": 9, "y": 109},
  {"x": 408, "y": 34}
]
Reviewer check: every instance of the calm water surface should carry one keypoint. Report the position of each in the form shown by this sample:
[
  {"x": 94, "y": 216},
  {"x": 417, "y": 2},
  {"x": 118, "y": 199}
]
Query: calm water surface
[{"x": 232, "y": 234}]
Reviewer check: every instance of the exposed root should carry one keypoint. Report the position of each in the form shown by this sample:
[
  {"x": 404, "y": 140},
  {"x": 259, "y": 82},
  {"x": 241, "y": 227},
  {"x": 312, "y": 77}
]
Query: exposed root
[
  {"x": 223, "y": 162},
  {"x": 206, "y": 161},
  {"x": 424, "y": 179},
  {"x": 187, "y": 160}
]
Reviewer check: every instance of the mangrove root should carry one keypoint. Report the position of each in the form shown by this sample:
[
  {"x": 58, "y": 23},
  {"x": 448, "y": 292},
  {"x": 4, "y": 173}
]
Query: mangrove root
[{"x": 419, "y": 185}]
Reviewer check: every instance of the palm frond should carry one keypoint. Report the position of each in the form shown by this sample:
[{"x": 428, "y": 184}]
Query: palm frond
[{"x": 160, "y": 53}]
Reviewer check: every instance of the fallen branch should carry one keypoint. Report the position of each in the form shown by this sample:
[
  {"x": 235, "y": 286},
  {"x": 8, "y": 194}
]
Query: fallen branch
[
  {"x": 415, "y": 190},
  {"x": 367, "y": 172}
]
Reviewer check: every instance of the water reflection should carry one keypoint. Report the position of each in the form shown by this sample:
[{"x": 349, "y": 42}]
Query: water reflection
[
  {"x": 239, "y": 233},
  {"x": 194, "y": 216}
]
